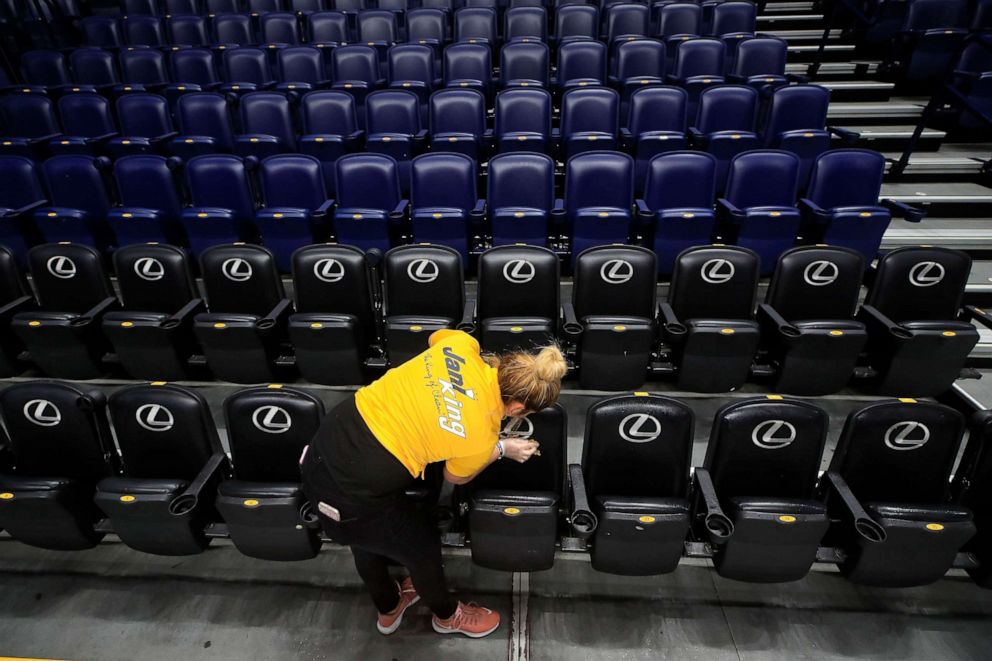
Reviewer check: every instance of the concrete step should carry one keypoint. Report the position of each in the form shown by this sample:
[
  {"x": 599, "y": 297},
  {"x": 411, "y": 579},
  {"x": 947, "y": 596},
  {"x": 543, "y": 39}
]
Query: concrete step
[
  {"x": 788, "y": 7},
  {"x": 858, "y": 90},
  {"x": 945, "y": 200},
  {"x": 777, "y": 21},
  {"x": 893, "y": 137},
  {"x": 831, "y": 53},
  {"x": 971, "y": 234},
  {"x": 835, "y": 70},
  {"x": 803, "y": 36},
  {"x": 874, "y": 113}
]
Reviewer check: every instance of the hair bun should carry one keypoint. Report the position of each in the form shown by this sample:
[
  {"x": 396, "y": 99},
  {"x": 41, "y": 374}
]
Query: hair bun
[{"x": 549, "y": 364}]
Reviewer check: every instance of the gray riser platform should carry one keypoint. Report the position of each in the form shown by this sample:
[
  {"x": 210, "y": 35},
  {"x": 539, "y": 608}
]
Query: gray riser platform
[
  {"x": 874, "y": 113},
  {"x": 944, "y": 200},
  {"x": 893, "y": 138},
  {"x": 857, "y": 90},
  {"x": 769, "y": 22},
  {"x": 806, "y": 52},
  {"x": 809, "y": 35}
]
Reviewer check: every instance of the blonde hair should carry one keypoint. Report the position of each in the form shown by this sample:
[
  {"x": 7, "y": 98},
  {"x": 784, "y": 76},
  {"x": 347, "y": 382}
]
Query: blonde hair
[{"x": 533, "y": 379}]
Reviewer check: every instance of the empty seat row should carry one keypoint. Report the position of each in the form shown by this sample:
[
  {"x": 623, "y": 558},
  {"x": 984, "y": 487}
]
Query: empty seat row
[
  {"x": 910, "y": 336},
  {"x": 885, "y": 506}
]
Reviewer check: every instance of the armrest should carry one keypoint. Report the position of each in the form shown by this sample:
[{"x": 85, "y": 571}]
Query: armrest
[
  {"x": 696, "y": 133},
  {"x": 809, "y": 207},
  {"x": 420, "y": 135},
  {"x": 846, "y": 135},
  {"x": 29, "y": 208},
  {"x": 670, "y": 322},
  {"x": 643, "y": 210},
  {"x": 354, "y": 136},
  {"x": 101, "y": 138},
  {"x": 400, "y": 210},
  {"x": 195, "y": 306},
  {"x": 853, "y": 512},
  {"x": 581, "y": 519},
  {"x": 467, "y": 323},
  {"x": 559, "y": 208},
  {"x": 212, "y": 471},
  {"x": 17, "y": 305},
  {"x": 324, "y": 208},
  {"x": 97, "y": 311},
  {"x": 770, "y": 320},
  {"x": 625, "y": 133},
  {"x": 479, "y": 210},
  {"x": 728, "y": 208},
  {"x": 905, "y": 211},
  {"x": 278, "y": 315},
  {"x": 719, "y": 527},
  {"x": 971, "y": 312},
  {"x": 571, "y": 326},
  {"x": 878, "y": 323}
]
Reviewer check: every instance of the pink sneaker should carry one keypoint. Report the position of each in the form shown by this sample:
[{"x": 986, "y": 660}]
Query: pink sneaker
[
  {"x": 390, "y": 622},
  {"x": 470, "y": 620}
]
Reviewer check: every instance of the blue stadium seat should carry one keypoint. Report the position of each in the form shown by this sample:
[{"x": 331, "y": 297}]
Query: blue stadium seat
[
  {"x": 679, "y": 21},
  {"x": 427, "y": 26},
  {"x": 300, "y": 68},
  {"x": 78, "y": 202},
  {"x": 193, "y": 70},
  {"x": 581, "y": 64},
  {"x": 525, "y": 24},
  {"x": 476, "y": 25},
  {"x": 656, "y": 123},
  {"x": 246, "y": 70},
  {"x": 760, "y": 62},
  {"x": 468, "y": 65},
  {"x": 576, "y": 22},
  {"x": 141, "y": 7},
  {"x": 101, "y": 32},
  {"x": 295, "y": 205},
  {"x": 411, "y": 67},
  {"x": 261, "y": 7},
  {"x": 930, "y": 38},
  {"x": 524, "y": 64},
  {"x": 45, "y": 70},
  {"x": 378, "y": 29},
  {"x": 279, "y": 27},
  {"x": 370, "y": 207},
  {"x": 328, "y": 29},
  {"x": 725, "y": 125},
  {"x": 187, "y": 30},
  {"x": 267, "y": 122},
  {"x": 795, "y": 122},
  {"x": 599, "y": 196},
  {"x": 523, "y": 120},
  {"x": 87, "y": 124},
  {"x": 223, "y": 205},
  {"x": 143, "y": 31},
  {"x": 29, "y": 124},
  {"x": 626, "y": 21},
  {"x": 94, "y": 67},
  {"x": 520, "y": 198},
  {"x": 142, "y": 69},
  {"x": 355, "y": 69},
  {"x": 637, "y": 63},
  {"x": 458, "y": 122},
  {"x": 329, "y": 125},
  {"x": 732, "y": 19},
  {"x": 146, "y": 125},
  {"x": 183, "y": 7},
  {"x": 204, "y": 125},
  {"x": 233, "y": 30},
  {"x": 151, "y": 201},
  {"x": 590, "y": 120},
  {"x": 698, "y": 65},
  {"x": 394, "y": 127},
  {"x": 21, "y": 194}
]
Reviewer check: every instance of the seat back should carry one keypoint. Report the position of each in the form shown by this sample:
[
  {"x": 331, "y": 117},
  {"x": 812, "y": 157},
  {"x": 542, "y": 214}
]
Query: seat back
[
  {"x": 93, "y": 66},
  {"x": 680, "y": 18},
  {"x": 637, "y": 446},
  {"x": 44, "y": 67},
  {"x": 240, "y": 279},
  {"x": 328, "y": 26},
  {"x": 468, "y": 61},
  {"x": 21, "y": 183},
  {"x": 475, "y": 23},
  {"x": 640, "y": 58},
  {"x": 714, "y": 282},
  {"x": 144, "y": 115},
  {"x": 458, "y": 111},
  {"x": 146, "y": 181},
  {"x": 392, "y": 111},
  {"x": 220, "y": 181},
  {"x": 927, "y": 14},
  {"x": 763, "y": 178},
  {"x": 187, "y": 30},
  {"x": 334, "y": 279},
  {"x": 590, "y": 109},
  {"x": 443, "y": 180},
  {"x": 899, "y": 452},
  {"x": 680, "y": 180},
  {"x": 231, "y": 28},
  {"x": 154, "y": 278},
  {"x": 143, "y": 30},
  {"x": 377, "y": 25},
  {"x": 193, "y": 65},
  {"x": 411, "y": 62},
  {"x": 164, "y": 431},
  {"x": 426, "y": 23},
  {"x": 761, "y": 55},
  {"x": 543, "y": 472},
  {"x": 267, "y": 113},
  {"x": 582, "y": 60},
  {"x": 12, "y": 283},
  {"x": 518, "y": 281},
  {"x": 101, "y": 31},
  {"x": 816, "y": 282},
  {"x": 29, "y": 116},
  {"x": 521, "y": 179},
  {"x": 329, "y": 112},
  {"x": 615, "y": 281},
  {"x": 525, "y": 22},
  {"x": 246, "y": 65},
  {"x": 727, "y": 108},
  {"x": 797, "y": 107},
  {"x": 144, "y": 66},
  {"x": 599, "y": 179},
  {"x": 57, "y": 429},
  {"x": 279, "y": 28},
  {"x": 917, "y": 283},
  {"x": 292, "y": 180},
  {"x": 68, "y": 277},
  {"x": 206, "y": 114},
  {"x": 846, "y": 178},
  {"x": 766, "y": 448},
  {"x": 734, "y": 17},
  {"x": 76, "y": 182},
  {"x": 520, "y": 110},
  {"x": 525, "y": 61},
  {"x": 699, "y": 57},
  {"x": 301, "y": 64},
  {"x": 627, "y": 19},
  {"x": 580, "y": 21},
  {"x": 86, "y": 115},
  {"x": 657, "y": 109},
  {"x": 425, "y": 281},
  {"x": 267, "y": 428},
  {"x": 367, "y": 181}
]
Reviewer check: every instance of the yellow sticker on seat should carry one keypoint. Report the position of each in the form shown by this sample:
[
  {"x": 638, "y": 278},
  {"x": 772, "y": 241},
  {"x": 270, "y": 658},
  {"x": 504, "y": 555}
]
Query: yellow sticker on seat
[
  {"x": 251, "y": 502},
  {"x": 6, "y": 495},
  {"x": 646, "y": 519},
  {"x": 727, "y": 331},
  {"x": 787, "y": 518},
  {"x": 511, "y": 511},
  {"x": 935, "y": 527},
  {"x": 127, "y": 499}
]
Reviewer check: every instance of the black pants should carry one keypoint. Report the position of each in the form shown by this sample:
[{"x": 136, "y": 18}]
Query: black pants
[{"x": 380, "y": 529}]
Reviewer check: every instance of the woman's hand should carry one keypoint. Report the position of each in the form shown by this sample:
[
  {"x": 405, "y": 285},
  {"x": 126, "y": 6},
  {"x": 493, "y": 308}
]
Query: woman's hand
[{"x": 519, "y": 449}]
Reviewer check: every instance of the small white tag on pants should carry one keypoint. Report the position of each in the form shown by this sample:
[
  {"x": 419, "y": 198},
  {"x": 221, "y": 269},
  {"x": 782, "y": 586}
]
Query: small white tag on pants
[{"x": 331, "y": 513}]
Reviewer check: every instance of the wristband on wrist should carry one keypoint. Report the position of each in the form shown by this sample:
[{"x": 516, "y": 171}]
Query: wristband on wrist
[{"x": 502, "y": 450}]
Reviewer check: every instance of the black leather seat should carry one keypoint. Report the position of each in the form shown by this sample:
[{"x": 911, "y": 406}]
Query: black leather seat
[
  {"x": 335, "y": 325},
  {"x": 762, "y": 461},
  {"x": 513, "y": 507},
  {"x": 888, "y": 486},
  {"x": 917, "y": 342},
  {"x": 807, "y": 319},
  {"x": 241, "y": 334},
  {"x": 172, "y": 461},
  {"x": 63, "y": 335},
  {"x": 153, "y": 334},
  {"x": 13, "y": 299},
  {"x": 518, "y": 299},
  {"x": 424, "y": 291},
  {"x": 267, "y": 514},
  {"x": 612, "y": 316},
  {"x": 708, "y": 318},
  {"x": 635, "y": 470},
  {"x": 59, "y": 447}
]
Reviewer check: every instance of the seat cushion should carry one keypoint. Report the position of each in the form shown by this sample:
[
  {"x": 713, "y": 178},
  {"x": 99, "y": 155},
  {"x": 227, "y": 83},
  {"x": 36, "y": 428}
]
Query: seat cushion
[
  {"x": 246, "y": 489},
  {"x": 776, "y": 505},
  {"x": 922, "y": 513},
  {"x": 498, "y": 498},
  {"x": 939, "y": 325},
  {"x": 24, "y": 483},
  {"x": 829, "y": 324},
  {"x": 647, "y": 505},
  {"x": 118, "y": 485}
]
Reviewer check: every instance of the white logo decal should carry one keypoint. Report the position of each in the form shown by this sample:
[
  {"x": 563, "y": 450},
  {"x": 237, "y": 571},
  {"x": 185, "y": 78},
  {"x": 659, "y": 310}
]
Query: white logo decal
[
  {"x": 519, "y": 271},
  {"x": 773, "y": 434},
  {"x": 518, "y": 427},
  {"x": 423, "y": 270},
  {"x": 640, "y": 428},
  {"x": 271, "y": 419},
  {"x": 616, "y": 271},
  {"x": 42, "y": 412},
  {"x": 61, "y": 267},
  {"x": 907, "y": 435},
  {"x": 717, "y": 271},
  {"x": 328, "y": 270},
  {"x": 236, "y": 269},
  {"x": 820, "y": 273},
  {"x": 154, "y": 417},
  {"x": 926, "y": 274},
  {"x": 149, "y": 268}
]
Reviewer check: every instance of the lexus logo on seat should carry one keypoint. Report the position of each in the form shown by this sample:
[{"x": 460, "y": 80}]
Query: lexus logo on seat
[
  {"x": 42, "y": 412},
  {"x": 773, "y": 434},
  {"x": 149, "y": 268},
  {"x": 236, "y": 269},
  {"x": 423, "y": 270},
  {"x": 926, "y": 274},
  {"x": 328, "y": 270},
  {"x": 640, "y": 428},
  {"x": 271, "y": 419},
  {"x": 907, "y": 435},
  {"x": 616, "y": 271},
  {"x": 519, "y": 271},
  {"x": 154, "y": 417},
  {"x": 820, "y": 273},
  {"x": 519, "y": 427},
  {"x": 61, "y": 267},
  {"x": 717, "y": 271}
]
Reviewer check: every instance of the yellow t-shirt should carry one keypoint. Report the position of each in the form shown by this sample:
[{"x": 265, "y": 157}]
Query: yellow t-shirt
[{"x": 443, "y": 405}]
